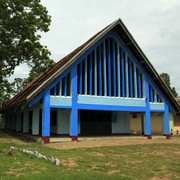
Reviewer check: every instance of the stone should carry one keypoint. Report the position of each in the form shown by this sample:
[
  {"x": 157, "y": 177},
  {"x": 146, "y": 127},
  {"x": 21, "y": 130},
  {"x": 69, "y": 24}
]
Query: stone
[
  {"x": 13, "y": 148},
  {"x": 57, "y": 162}
]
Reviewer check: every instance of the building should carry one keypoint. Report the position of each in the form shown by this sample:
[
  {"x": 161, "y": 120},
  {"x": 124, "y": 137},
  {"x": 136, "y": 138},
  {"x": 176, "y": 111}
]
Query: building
[
  {"x": 176, "y": 129},
  {"x": 107, "y": 86}
]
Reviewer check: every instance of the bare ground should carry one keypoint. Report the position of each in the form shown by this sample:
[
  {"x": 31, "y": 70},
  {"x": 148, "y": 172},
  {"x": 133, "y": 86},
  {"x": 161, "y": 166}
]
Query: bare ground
[
  {"x": 112, "y": 141},
  {"x": 90, "y": 142}
]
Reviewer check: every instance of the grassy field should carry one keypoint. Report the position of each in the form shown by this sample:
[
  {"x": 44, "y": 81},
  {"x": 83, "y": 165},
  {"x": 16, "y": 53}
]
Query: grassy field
[{"x": 150, "y": 161}]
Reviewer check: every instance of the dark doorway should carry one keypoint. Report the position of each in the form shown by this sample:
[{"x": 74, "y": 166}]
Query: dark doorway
[
  {"x": 95, "y": 123},
  {"x": 30, "y": 121}
]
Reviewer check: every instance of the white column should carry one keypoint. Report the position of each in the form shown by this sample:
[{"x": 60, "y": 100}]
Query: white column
[
  {"x": 26, "y": 122},
  {"x": 35, "y": 122}
]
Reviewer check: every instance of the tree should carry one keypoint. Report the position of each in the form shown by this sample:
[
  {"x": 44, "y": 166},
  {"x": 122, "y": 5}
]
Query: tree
[
  {"x": 20, "y": 25},
  {"x": 166, "y": 78}
]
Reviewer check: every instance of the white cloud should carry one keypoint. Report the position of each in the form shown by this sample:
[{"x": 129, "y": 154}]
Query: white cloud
[{"x": 155, "y": 25}]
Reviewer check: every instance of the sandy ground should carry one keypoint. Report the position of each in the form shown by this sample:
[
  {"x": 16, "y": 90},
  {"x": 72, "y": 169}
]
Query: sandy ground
[
  {"x": 112, "y": 141},
  {"x": 90, "y": 142}
]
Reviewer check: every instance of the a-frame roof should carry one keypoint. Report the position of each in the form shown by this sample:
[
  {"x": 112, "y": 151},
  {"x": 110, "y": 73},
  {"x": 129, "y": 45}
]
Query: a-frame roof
[{"x": 38, "y": 84}]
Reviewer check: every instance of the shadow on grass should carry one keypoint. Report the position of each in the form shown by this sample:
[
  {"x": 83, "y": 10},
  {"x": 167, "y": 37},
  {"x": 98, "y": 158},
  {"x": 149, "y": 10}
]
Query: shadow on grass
[{"x": 13, "y": 134}]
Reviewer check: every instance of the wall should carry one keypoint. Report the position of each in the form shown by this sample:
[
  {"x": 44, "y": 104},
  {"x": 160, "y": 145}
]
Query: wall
[
  {"x": 63, "y": 121},
  {"x": 120, "y": 122},
  {"x": 156, "y": 123},
  {"x": 136, "y": 123}
]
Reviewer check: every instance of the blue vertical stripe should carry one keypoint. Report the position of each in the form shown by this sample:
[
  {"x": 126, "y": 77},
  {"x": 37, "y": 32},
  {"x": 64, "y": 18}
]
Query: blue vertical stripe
[
  {"x": 90, "y": 75},
  {"x": 131, "y": 82},
  {"x": 114, "y": 67},
  {"x": 46, "y": 114},
  {"x": 118, "y": 71},
  {"x": 80, "y": 83},
  {"x": 65, "y": 86},
  {"x": 104, "y": 69},
  {"x": 122, "y": 73},
  {"x": 135, "y": 81},
  {"x": 147, "y": 113},
  {"x": 127, "y": 75},
  {"x": 100, "y": 71},
  {"x": 139, "y": 85},
  {"x": 166, "y": 119},
  {"x": 109, "y": 69}
]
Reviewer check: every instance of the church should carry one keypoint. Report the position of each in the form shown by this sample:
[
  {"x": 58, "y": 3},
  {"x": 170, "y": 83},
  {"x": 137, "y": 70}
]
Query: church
[{"x": 105, "y": 87}]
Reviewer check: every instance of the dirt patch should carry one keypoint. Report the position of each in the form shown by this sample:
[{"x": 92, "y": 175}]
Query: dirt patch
[
  {"x": 113, "y": 172},
  {"x": 112, "y": 141},
  {"x": 96, "y": 154},
  {"x": 69, "y": 163}
]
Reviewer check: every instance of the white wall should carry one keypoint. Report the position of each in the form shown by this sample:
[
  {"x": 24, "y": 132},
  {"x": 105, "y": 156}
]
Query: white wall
[
  {"x": 120, "y": 122},
  {"x": 63, "y": 121}
]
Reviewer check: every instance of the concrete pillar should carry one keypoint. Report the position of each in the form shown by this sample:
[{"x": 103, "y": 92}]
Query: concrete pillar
[
  {"x": 74, "y": 111},
  {"x": 147, "y": 114},
  {"x": 46, "y": 117},
  {"x": 166, "y": 122},
  {"x": 74, "y": 124},
  {"x": 35, "y": 122},
  {"x": 26, "y": 122},
  {"x": 18, "y": 122}
]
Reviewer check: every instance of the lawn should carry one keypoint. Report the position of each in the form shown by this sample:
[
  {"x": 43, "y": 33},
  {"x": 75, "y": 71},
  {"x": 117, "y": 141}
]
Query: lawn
[{"x": 151, "y": 161}]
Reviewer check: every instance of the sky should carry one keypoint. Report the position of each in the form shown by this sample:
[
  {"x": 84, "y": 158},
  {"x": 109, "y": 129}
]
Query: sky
[{"x": 154, "y": 24}]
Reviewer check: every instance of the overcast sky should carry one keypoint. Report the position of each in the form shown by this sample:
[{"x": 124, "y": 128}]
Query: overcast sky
[{"x": 154, "y": 24}]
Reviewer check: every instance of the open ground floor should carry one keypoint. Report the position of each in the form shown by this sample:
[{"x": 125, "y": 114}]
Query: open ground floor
[{"x": 88, "y": 123}]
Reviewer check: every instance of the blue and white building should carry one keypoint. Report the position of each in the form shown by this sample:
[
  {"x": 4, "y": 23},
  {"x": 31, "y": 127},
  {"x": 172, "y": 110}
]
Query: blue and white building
[{"x": 107, "y": 86}]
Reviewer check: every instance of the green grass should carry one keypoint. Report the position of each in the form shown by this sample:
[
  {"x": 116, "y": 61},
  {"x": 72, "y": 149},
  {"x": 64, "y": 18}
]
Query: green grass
[{"x": 120, "y": 162}]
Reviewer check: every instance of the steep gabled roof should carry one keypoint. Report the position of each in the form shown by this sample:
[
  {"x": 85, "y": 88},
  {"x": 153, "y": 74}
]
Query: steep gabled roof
[{"x": 39, "y": 83}]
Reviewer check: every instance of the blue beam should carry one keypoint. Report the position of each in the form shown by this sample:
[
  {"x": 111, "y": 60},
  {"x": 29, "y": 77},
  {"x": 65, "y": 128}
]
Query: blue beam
[
  {"x": 118, "y": 71},
  {"x": 46, "y": 114},
  {"x": 85, "y": 78},
  {"x": 147, "y": 120},
  {"x": 80, "y": 81},
  {"x": 124, "y": 47},
  {"x": 166, "y": 120},
  {"x": 104, "y": 69},
  {"x": 114, "y": 67},
  {"x": 122, "y": 74},
  {"x": 139, "y": 85},
  {"x": 135, "y": 80},
  {"x": 109, "y": 69},
  {"x": 65, "y": 86},
  {"x": 95, "y": 71},
  {"x": 111, "y": 108},
  {"x": 74, "y": 110},
  {"x": 100, "y": 71},
  {"x": 131, "y": 80},
  {"x": 127, "y": 75},
  {"x": 36, "y": 99},
  {"x": 90, "y": 75}
]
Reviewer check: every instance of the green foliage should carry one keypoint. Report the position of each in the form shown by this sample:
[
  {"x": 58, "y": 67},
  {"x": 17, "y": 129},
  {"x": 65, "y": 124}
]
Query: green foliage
[
  {"x": 166, "y": 78},
  {"x": 20, "y": 25}
]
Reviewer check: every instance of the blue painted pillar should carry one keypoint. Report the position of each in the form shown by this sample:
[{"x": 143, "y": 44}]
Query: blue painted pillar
[
  {"x": 166, "y": 122},
  {"x": 147, "y": 115},
  {"x": 46, "y": 117},
  {"x": 74, "y": 110}
]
